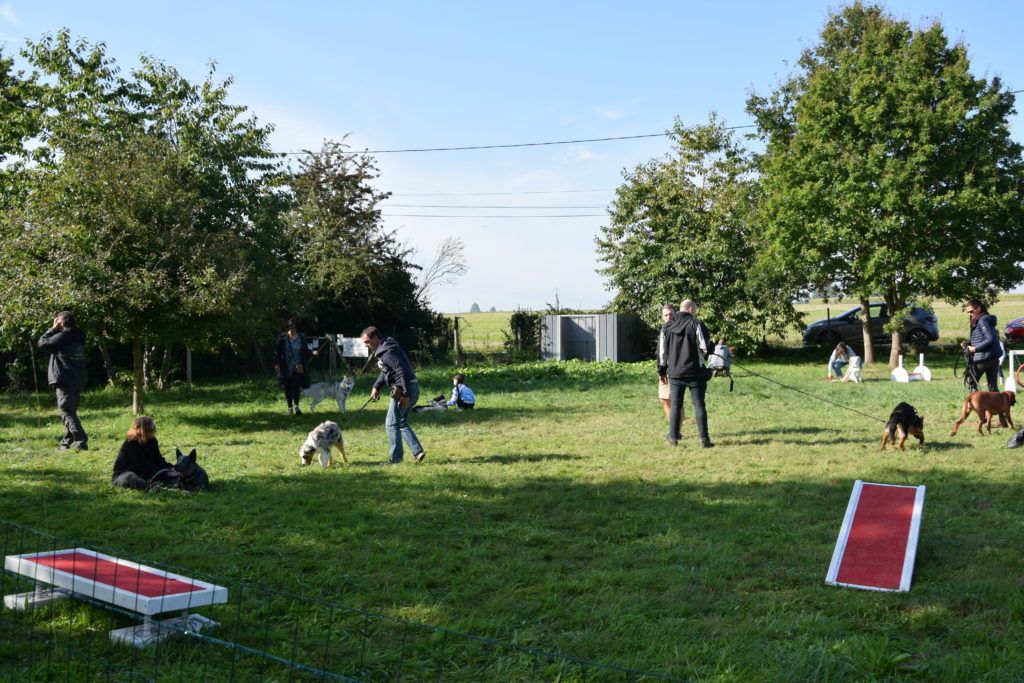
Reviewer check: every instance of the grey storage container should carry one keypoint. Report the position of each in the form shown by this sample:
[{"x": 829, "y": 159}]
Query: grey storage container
[{"x": 591, "y": 336}]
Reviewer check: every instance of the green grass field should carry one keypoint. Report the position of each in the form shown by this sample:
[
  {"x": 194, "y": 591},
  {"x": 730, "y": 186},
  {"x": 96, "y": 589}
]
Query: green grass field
[
  {"x": 555, "y": 516},
  {"x": 481, "y": 332}
]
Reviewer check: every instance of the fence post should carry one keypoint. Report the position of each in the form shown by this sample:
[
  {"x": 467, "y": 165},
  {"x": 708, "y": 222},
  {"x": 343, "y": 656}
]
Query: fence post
[
  {"x": 188, "y": 368},
  {"x": 458, "y": 348},
  {"x": 332, "y": 339}
]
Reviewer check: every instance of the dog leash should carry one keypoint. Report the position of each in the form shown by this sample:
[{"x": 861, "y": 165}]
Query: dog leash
[
  {"x": 786, "y": 386},
  {"x": 970, "y": 370},
  {"x": 800, "y": 391},
  {"x": 368, "y": 401}
]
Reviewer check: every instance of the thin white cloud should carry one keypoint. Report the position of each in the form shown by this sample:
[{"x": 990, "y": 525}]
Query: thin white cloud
[
  {"x": 580, "y": 153},
  {"x": 613, "y": 112},
  {"x": 8, "y": 15}
]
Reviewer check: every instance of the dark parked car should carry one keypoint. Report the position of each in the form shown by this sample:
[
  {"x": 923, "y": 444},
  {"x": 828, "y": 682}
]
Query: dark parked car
[
  {"x": 919, "y": 328},
  {"x": 1014, "y": 330}
]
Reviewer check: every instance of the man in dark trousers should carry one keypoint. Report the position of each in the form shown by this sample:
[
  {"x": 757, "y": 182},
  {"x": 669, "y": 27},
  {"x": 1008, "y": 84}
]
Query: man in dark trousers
[
  {"x": 67, "y": 375},
  {"x": 683, "y": 346},
  {"x": 397, "y": 375}
]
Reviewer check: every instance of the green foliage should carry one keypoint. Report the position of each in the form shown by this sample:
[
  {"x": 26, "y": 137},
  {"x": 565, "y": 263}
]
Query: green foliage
[
  {"x": 889, "y": 168},
  {"x": 350, "y": 271},
  {"x": 522, "y": 340},
  {"x": 150, "y": 208},
  {"x": 680, "y": 228}
]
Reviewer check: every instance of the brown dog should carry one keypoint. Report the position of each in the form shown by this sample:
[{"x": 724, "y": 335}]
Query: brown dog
[{"x": 987, "y": 404}]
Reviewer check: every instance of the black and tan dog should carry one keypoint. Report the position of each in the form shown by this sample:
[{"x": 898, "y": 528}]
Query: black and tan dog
[
  {"x": 904, "y": 421},
  {"x": 987, "y": 404}
]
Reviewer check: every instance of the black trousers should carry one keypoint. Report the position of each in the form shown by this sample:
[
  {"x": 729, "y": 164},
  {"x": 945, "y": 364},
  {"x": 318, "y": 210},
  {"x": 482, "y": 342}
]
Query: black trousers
[
  {"x": 293, "y": 388},
  {"x": 68, "y": 399},
  {"x": 990, "y": 368}
]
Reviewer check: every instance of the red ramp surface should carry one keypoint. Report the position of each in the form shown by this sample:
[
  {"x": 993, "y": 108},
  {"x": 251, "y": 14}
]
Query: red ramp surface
[{"x": 877, "y": 543}]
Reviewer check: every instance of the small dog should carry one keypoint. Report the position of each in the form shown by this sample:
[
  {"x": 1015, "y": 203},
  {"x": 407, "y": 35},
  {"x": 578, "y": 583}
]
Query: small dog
[
  {"x": 987, "y": 404},
  {"x": 193, "y": 477},
  {"x": 339, "y": 391},
  {"x": 322, "y": 439},
  {"x": 853, "y": 371},
  {"x": 905, "y": 421}
]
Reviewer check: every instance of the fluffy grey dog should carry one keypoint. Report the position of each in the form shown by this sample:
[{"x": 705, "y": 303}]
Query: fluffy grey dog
[
  {"x": 322, "y": 439},
  {"x": 339, "y": 391}
]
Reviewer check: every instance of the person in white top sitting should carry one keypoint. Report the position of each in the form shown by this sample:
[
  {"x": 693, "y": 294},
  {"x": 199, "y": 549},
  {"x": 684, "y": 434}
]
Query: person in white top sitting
[
  {"x": 839, "y": 359},
  {"x": 462, "y": 396}
]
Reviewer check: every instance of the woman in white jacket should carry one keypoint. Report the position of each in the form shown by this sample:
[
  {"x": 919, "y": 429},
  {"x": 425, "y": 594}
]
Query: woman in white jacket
[{"x": 839, "y": 359}]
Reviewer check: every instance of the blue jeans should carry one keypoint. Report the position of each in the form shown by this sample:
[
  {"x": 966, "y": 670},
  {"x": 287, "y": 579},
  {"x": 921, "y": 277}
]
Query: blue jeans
[
  {"x": 837, "y": 367},
  {"x": 677, "y": 387},
  {"x": 397, "y": 426}
]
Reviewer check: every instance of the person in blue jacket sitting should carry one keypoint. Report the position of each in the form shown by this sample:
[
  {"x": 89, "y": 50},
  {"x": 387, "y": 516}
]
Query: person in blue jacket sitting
[{"x": 462, "y": 396}]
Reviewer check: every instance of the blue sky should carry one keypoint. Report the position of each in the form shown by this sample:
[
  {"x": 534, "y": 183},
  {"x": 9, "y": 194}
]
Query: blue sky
[{"x": 412, "y": 75}]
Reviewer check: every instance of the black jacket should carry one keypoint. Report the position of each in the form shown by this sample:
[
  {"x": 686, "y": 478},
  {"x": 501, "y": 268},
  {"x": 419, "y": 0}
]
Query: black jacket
[
  {"x": 144, "y": 460},
  {"x": 682, "y": 348},
  {"x": 68, "y": 364},
  {"x": 395, "y": 368},
  {"x": 281, "y": 362}
]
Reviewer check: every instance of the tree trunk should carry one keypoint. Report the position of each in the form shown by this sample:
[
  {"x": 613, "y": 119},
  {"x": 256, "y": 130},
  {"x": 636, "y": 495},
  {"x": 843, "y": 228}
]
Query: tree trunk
[
  {"x": 165, "y": 367},
  {"x": 865, "y": 326},
  {"x": 138, "y": 389},
  {"x": 108, "y": 364},
  {"x": 895, "y": 305},
  {"x": 147, "y": 365}
]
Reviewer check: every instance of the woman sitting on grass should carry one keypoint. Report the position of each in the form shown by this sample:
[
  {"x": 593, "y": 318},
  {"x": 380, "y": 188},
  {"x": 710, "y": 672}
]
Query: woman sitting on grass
[{"x": 139, "y": 464}]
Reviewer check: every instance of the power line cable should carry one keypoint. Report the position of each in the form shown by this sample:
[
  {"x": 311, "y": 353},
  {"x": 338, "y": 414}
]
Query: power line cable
[
  {"x": 486, "y": 194},
  {"x": 525, "y": 215},
  {"x": 520, "y": 144},
  {"x": 538, "y": 144},
  {"x": 491, "y": 206},
  {"x": 507, "y": 146}
]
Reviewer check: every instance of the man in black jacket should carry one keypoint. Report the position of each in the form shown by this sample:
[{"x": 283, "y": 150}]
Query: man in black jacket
[
  {"x": 67, "y": 375},
  {"x": 683, "y": 346},
  {"x": 397, "y": 375}
]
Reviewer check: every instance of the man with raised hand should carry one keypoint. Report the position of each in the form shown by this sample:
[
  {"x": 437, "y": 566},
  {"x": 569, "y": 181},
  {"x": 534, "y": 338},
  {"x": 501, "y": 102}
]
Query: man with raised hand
[{"x": 67, "y": 374}]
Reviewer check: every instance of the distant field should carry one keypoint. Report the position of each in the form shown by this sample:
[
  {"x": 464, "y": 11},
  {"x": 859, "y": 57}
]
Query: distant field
[{"x": 482, "y": 332}]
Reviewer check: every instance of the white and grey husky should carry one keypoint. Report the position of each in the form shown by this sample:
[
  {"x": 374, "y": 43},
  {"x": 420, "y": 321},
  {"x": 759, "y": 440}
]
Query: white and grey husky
[{"x": 339, "y": 391}]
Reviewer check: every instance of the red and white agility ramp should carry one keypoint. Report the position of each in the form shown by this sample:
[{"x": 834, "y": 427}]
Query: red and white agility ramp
[
  {"x": 80, "y": 572},
  {"x": 877, "y": 543}
]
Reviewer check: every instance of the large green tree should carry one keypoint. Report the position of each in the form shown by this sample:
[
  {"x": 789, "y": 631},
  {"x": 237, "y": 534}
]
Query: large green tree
[
  {"x": 680, "y": 228},
  {"x": 889, "y": 168},
  {"x": 350, "y": 270},
  {"x": 152, "y": 205}
]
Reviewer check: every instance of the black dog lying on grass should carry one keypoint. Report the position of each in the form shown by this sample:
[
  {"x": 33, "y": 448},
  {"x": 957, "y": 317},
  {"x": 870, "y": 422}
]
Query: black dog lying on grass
[
  {"x": 193, "y": 477},
  {"x": 905, "y": 421}
]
